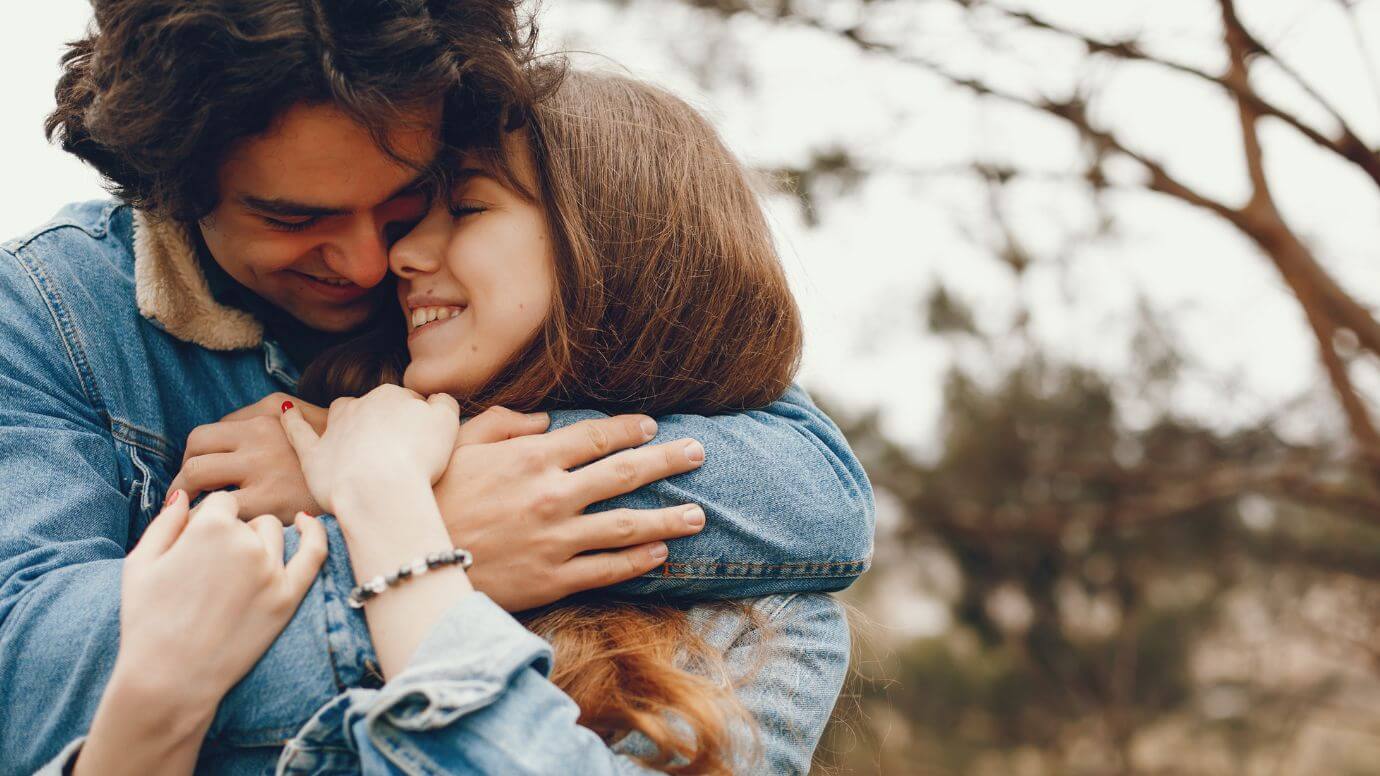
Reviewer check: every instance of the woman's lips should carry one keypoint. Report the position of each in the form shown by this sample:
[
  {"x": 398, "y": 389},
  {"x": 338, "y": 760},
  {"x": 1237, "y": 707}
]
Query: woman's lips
[{"x": 335, "y": 292}]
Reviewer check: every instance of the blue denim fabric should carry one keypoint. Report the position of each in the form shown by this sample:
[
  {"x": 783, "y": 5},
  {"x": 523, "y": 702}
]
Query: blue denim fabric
[
  {"x": 96, "y": 402},
  {"x": 475, "y": 699}
]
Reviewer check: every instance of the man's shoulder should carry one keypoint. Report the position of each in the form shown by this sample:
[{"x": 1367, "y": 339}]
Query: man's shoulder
[
  {"x": 98, "y": 233},
  {"x": 85, "y": 251}
]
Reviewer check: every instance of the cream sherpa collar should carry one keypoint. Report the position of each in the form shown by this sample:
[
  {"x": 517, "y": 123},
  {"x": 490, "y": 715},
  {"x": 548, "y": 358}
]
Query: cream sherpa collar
[{"x": 172, "y": 290}]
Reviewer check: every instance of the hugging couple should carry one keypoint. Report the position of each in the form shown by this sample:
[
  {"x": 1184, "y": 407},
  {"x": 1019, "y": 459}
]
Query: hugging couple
[{"x": 565, "y": 514}]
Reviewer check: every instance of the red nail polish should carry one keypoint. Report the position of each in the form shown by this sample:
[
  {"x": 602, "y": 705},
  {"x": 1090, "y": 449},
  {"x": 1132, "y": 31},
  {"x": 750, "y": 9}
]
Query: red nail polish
[
  {"x": 172, "y": 496},
  {"x": 287, "y": 405}
]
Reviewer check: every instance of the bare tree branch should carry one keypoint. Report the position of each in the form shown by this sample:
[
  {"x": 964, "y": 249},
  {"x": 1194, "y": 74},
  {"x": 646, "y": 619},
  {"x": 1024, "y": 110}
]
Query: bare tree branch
[{"x": 1347, "y": 144}]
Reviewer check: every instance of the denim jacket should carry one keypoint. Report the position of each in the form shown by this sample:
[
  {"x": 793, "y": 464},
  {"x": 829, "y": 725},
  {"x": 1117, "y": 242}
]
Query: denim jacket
[
  {"x": 475, "y": 695},
  {"x": 114, "y": 350}
]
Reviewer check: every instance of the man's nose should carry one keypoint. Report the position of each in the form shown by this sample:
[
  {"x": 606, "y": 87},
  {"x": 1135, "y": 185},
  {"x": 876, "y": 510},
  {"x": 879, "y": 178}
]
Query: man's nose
[{"x": 361, "y": 254}]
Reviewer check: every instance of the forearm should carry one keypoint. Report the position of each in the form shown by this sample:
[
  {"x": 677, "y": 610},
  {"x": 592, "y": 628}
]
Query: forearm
[
  {"x": 142, "y": 729},
  {"x": 387, "y": 526}
]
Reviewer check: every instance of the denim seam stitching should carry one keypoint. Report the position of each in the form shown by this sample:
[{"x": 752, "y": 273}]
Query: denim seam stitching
[
  {"x": 137, "y": 436},
  {"x": 96, "y": 232},
  {"x": 76, "y": 356}
]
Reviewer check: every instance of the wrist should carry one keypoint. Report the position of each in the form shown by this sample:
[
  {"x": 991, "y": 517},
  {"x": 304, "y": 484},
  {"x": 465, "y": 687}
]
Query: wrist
[{"x": 147, "y": 707}]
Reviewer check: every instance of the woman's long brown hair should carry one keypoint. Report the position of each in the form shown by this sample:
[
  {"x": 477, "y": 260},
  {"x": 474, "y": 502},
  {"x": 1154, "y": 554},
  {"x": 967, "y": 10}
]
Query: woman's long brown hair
[{"x": 669, "y": 298}]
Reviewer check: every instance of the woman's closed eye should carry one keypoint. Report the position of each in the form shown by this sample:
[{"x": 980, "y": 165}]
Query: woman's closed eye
[{"x": 465, "y": 208}]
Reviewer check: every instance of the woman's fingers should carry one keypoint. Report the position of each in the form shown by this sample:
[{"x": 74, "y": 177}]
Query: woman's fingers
[
  {"x": 270, "y": 531},
  {"x": 601, "y": 569},
  {"x": 628, "y": 527},
  {"x": 220, "y": 505},
  {"x": 300, "y": 433},
  {"x": 301, "y": 570},
  {"x": 166, "y": 526}
]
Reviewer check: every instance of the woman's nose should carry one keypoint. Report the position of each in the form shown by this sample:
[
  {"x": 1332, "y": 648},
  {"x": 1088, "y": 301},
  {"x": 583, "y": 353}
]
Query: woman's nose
[{"x": 420, "y": 252}]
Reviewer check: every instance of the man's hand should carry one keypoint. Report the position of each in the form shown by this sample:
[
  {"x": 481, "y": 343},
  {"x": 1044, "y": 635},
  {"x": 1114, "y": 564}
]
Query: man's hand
[
  {"x": 247, "y": 450},
  {"x": 510, "y": 498}
]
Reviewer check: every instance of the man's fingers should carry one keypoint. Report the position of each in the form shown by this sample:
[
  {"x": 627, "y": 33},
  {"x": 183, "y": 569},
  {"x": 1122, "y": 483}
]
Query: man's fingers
[
  {"x": 601, "y": 569},
  {"x": 211, "y": 438},
  {"x": 591, "y": 440},
  {"x": 166, "y": 526},
  {"x": 300, "y": 433},
  {"x": 212, "y": 471},
  {"x": 311, "y": 552},
  {"x": 628, "y": 527},
  {"x": 497, "y": 424},
  {"x": 631, "y": 469},
  {"x": 270, "y": 531}
]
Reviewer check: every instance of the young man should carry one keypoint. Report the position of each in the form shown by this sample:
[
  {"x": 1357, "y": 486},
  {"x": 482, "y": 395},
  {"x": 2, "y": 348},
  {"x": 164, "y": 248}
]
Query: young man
[{"x": 264, "y": 156}]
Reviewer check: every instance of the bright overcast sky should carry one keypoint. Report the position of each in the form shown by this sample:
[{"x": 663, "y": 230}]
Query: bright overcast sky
[{"x": 861, "y": 273}]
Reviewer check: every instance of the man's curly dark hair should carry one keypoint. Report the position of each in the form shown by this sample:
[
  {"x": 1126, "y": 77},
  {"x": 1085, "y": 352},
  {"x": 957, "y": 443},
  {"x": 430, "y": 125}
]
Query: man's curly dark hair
[{"x": 160, "y": 90}]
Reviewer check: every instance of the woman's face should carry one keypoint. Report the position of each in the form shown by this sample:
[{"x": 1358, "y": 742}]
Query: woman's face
[{"x": 475, "y": 279}]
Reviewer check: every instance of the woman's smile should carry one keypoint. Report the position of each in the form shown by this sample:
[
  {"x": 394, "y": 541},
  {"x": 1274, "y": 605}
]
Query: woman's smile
[{"x": 430, "y": 318}]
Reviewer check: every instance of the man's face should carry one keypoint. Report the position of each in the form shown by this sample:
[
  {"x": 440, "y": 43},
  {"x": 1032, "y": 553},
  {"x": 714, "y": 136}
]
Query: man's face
[{"x": 308, "y": 208}]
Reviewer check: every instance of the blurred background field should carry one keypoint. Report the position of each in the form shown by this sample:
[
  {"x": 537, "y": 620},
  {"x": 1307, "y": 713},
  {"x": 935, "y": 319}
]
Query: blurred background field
[{"x": 1094, "y": 287}]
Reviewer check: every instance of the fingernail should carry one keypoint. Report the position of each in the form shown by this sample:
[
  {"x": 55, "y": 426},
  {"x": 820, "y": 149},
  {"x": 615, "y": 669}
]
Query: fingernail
[
  {"x": 659, "y": 552},
  {"x": 171, "y": 497},
  {"x": 649, "y": 428},
  {"x": 694, "y": 452},
  {"x": 287, "y": 405},
  {"x": 694, "y": 517}
]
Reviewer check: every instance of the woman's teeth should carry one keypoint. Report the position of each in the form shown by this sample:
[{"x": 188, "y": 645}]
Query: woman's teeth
[{"x": 421, "y": 316}]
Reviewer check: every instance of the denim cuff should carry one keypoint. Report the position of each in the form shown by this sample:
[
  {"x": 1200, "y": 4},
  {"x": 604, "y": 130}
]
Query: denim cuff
[
  {"x": 465, "y": 663},
  {"x": 64, "y": 762}
]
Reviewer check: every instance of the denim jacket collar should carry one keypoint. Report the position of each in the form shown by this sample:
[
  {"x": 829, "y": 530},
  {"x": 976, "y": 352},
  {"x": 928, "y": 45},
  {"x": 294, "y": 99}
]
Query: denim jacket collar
[{"x": 172, "y": 291}]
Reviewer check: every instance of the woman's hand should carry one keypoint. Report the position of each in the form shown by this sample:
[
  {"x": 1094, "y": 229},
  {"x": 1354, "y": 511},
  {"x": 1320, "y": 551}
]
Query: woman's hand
[
  {"x": 374, "y": 468},
  {"x": 202, "y": 597},
  {"x": 391, "y": 438}
]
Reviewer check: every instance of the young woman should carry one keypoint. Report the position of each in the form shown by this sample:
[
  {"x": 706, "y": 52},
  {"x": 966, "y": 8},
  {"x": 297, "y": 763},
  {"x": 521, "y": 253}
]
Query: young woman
[{"x": 610, "y": 255}]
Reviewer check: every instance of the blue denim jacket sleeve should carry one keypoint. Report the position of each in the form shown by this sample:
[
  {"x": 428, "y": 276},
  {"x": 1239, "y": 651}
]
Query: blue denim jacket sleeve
[
  {"x": 788, "y": 506},
  {"x": 475, "y": 699},
  {"x": 68, "y": 513}
]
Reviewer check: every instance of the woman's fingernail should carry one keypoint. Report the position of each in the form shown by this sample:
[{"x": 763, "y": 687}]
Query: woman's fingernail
[
  {"x": 659, "y": 552},
  {"x": 287, "y": 405},
  {"x": 171, "y": 497},
  {"x": 694, "y": 452},
  {"x": 694, "y": 517},
  {"x": 649, "y": 428}
]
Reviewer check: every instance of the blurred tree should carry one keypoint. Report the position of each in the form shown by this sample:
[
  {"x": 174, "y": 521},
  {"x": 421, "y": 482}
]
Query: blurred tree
[{"x": 1156, "y": 596}]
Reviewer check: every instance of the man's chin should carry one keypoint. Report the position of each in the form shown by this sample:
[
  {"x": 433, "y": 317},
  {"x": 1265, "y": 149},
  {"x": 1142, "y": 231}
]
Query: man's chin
[{"x": 337, "y": 320}]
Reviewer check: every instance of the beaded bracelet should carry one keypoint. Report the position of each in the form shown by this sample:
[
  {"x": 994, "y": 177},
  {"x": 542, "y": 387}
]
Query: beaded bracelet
[{"x": 367, "y": 590}]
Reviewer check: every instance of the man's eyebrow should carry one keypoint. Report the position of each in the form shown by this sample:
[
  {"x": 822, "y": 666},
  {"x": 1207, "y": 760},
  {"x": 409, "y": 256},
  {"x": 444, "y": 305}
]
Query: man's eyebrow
[{"x": 276, "y": 206}]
